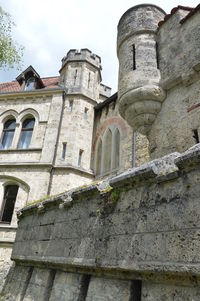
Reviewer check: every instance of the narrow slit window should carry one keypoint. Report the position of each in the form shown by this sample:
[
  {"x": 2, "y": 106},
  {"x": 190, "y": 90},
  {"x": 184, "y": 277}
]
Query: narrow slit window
[
  {"x": 196, "y": 135},
  {"x": 89, "y": 80},
  {"x": 75, "y": 76},
  {"x": 64, "y": 148},
  {"x": 157, "y": 56},
  {"x": 71, "y": 105},
  {"x": 10, "y": 194},
  {"x": 85, "y": 113},
  {"x": 134, "y": 62},
  {"x": 80, "y": 157}
]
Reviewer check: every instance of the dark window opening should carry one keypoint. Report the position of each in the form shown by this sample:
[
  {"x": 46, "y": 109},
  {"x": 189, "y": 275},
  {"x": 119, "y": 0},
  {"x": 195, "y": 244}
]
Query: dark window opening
[
  {"x": 75, "y": 76},
  {"x": 80, "y": 157},
  {"x": 26, "y": 133},
  {"x": 64, "y": 151},
  {"x": 89, "y": 80},
  {"x": 134, "y": 62},
  {"x": 8, "y": 134},
  {"x": 70, "y": 105},
  {"x": 196, "y": 136},
  {"x": 30, "y": 84},
  {"x": 136, "y": 288},
  {"x": 85, "y": 113},
  {"x": 9, "y": 199},
  {"x": 157, "y": 56}
]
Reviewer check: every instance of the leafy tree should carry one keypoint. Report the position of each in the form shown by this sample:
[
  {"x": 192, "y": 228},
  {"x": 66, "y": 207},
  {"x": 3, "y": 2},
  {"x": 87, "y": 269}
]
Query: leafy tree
[{"x": 10, "y": 52}]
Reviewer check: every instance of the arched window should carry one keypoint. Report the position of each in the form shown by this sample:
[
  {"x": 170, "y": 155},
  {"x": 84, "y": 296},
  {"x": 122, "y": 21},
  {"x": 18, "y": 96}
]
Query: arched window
[
  {"x": 108, "y": 150},
  {"x": 116, "y": 148},
  {"x": 10, "y": 194},
  {"x": 26, "y": 133},
  {"x": 8, "y": 133}
]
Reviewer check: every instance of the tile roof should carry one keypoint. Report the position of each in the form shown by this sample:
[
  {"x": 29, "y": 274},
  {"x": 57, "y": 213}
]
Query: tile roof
[
  {"x": 191, "y": 13},
  {"x": 173, "y": 11},
  {"x": 49, "y": 83}
]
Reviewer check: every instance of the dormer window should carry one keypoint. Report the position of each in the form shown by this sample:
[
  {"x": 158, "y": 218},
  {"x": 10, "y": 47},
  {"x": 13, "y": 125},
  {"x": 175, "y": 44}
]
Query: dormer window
[
  {"x": 30, "y": 80},
  {"x": 30, "y": 84}
]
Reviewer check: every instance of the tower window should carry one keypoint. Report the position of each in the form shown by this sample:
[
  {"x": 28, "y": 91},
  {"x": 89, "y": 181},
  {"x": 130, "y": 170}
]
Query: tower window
[
  {"x": 75, "y": 76},
  {"x": 134, "y": 62},
  {"x": 8, "y": 134},
  {"x": 89, "y": 80},
  {"x": 9, "y": 199},
  {"x": 26, "y": 133},
  {"x": 80, "y": 157},
  {"x": 64, "y": 148},
  {"x": 85, "y": 113},
  {"x": 157, "y": 56},
  {"x": 71, "y": 105}
]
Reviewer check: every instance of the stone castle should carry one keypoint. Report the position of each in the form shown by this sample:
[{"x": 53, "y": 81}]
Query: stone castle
[{"x": 130, "y": 231}]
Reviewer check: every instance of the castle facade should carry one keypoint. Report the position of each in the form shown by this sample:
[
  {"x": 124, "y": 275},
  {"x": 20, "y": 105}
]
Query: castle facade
[{"x": 58, "y": 133}]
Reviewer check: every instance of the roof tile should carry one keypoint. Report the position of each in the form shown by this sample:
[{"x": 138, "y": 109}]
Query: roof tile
[{"x": 49, "y": 83}]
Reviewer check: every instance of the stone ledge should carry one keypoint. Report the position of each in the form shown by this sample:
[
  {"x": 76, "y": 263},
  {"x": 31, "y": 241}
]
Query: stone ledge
[
  {"x": 190, "y": 158},
  {"x": 128, "y": 270},
  {"x": 20, "y": 150}
]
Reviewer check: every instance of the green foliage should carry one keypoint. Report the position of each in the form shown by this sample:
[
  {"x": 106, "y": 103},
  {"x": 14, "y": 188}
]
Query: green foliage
[
  {"x": 115, "y": 195},
  {"x": 10, "y": 51}
]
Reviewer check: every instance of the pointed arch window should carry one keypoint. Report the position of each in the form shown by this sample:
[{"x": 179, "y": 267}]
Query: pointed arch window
[
  {"x": 8, "y": 134},
  {"x": 108, "y": 152},
  {"x": 10, "y": 195},
  {"x": 26, "y": 133}
]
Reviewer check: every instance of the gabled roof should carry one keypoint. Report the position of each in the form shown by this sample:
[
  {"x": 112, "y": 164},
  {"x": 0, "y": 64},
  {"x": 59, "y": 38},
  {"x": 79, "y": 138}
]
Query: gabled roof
[
  {"x": 14, "y": 86},
  {"x": 27, "y": 70}
]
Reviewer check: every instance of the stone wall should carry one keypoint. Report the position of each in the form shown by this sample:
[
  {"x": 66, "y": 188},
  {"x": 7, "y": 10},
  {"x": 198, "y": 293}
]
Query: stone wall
[
  {"x": 134, "y": 237},
  {"x": 173, "y": 129}
]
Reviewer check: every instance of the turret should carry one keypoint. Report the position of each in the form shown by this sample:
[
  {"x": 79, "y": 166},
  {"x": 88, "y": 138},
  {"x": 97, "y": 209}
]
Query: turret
[
  {"x": 140, "y": 96},
  {"x": 81, "y": 73}
]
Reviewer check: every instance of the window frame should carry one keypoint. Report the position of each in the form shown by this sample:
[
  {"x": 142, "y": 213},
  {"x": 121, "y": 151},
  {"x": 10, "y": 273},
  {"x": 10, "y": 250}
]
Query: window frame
[
  {"x": 4, "y": 131},
  {"x": 26, "y": 130},
  {"x": 102, "y": 173},
  {"x": 3, "y": 206}
]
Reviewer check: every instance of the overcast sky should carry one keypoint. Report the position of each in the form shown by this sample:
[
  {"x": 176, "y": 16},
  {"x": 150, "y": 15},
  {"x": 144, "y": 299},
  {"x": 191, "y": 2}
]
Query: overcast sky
[{"x": 48, "y": 29}]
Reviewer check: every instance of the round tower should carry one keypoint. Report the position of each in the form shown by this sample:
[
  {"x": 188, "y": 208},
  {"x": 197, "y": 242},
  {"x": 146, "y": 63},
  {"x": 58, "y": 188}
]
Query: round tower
[{"x": 140, "y": 96}]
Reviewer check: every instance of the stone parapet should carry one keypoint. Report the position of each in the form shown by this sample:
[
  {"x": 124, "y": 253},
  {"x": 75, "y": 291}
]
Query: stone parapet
[
  {"x": 141, "y": 228},
  {"x": 82, "y": 55}
]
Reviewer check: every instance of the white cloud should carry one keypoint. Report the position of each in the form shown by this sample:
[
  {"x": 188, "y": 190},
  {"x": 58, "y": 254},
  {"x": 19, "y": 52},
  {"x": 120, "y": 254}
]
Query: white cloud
[{"x": 49, "y": 28}]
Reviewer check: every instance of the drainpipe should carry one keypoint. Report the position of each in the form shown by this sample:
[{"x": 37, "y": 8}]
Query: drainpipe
[
  {"x": 133, "y": 150},
  {"x": 57, "y": 140}
]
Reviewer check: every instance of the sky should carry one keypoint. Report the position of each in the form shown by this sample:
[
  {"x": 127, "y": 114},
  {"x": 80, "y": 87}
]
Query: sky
[{"x": 49, "y": 28}]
